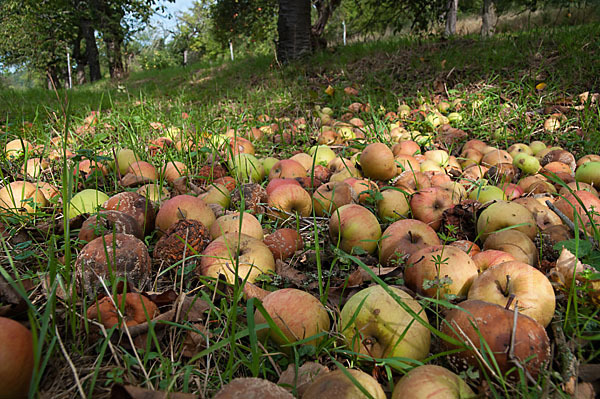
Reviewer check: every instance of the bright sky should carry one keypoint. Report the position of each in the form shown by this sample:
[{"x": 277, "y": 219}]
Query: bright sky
[{"x": 173, "y": 9}]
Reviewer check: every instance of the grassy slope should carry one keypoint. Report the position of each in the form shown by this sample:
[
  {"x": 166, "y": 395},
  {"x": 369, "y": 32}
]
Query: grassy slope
[{"x": 502, "y": 70}]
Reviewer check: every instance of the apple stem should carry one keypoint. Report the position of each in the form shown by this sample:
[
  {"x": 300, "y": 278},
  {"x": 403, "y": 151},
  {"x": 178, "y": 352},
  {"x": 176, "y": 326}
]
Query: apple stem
[
  {"x": 506, "y": 290},
  {"x": 511, "y": 298}
]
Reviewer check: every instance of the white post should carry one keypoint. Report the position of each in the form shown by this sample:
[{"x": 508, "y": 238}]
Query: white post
[
  {"x": 69, "y": 69},
  {"x": 231, "y": 49},
  {"x": 344, "y": 25},
  {"x": 185, "y": 57}
]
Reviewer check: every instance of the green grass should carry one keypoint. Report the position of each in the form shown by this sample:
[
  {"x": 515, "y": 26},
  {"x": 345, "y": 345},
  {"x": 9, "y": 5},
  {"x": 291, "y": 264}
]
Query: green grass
[{"x": 497, "y": 80}]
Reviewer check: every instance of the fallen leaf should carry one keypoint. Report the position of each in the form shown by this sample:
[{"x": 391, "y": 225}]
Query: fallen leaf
[
  {"x": 288, "y": 272},
  {"x": 11, "y": 303}
]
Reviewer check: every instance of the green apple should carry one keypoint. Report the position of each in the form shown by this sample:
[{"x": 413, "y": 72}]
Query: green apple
[
  {"x": 268, "y": 163},
  {"x": 86, "y": 201},
  {"x": 487, "y": 193},
  {"x": 126, "y": 157},
  {"x": 589, "y": 173},
  {"x": 431, "y": 381},
  {"x": 454, "y": 117},
  {"x": 527, "y": 163},
  {"x": 373, "y": 323},
  {"x": 322, "y": 154},
  {"x": 246, "y": 167},
  {"x": 536, "y": 146}
]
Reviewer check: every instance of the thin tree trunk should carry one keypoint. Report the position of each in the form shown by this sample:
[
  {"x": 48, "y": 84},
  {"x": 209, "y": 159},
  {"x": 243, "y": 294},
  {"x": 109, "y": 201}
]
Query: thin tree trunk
[
  {"x": 52, "y": 78},
  {"x": 91, "y": 49},
  {"x": 115, "y": 56},
  {"x": 488, "y": 18},
  {"x": 325, "y": 9},
  {"x": 79, "y": 58},
  {"x": 293, "y": 27},
  {"x": 451, "y": 18}
]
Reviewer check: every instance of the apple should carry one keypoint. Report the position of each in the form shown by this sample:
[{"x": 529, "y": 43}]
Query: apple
[
  {"x": 246, "y": 167},
  {"x": 298, "y": 315},
  {"x": 322, "y": 154},
  {"x": 133, "y": 204},
  {"x": 515, "y": 242},
  {"x": 496, "y": 156},
  {"x": 532, "y": 290},
  {"x": 337, "y": 384},
  {"x": 109, "y": 257},
  {"x": 429, "y": 204},
  {"x": 17, "y": 147},
  {"x": 544, "y": 216},
  {"x": 275, "y": 183},
  {"x": 284, "y": 242},
  {"x": 142, "y": 170},
  {"x": 374, "y": 323},
  {"x": 154, "y": 192},
  {"x": 240, "y": 145},
  {"x": 406, "y": 147},
  {"x": 403, "y": 238},
  {"x": 268, "y": 163},
  {"x": 519, "y": 148},
  {"x": 440, "y": 157},
  {"x": 330, "y": 196},
  {"x": 289, "y": 199},
  {"x": 527, "y": 163},
  {"x": 406, "y": 163},
  {"x": 346, "y": 172},
  {"x": 491, "y": 257},
  {"x": 305, "y": 160},
  {"x": 16, "y": 359},
  {"x": 236, "y": 255},
  {"x": 443, "y": 270},
  {"x": 34, "y": 167},
  {"x": 588, "y": 158},
  {"x": 125, "y": 157},
  {"x": 487, "y": 328},
  {"x": 432, "y": 382},
  {"x": 587, "y": 215},
  {"x": 468, "y": 247},
  {"x": 506, "y": 214},
  {"x": 183, "y": 207},
  {"x": 174, "y": 170},
  {"x": 473, "y": 173},
  {"x": 511, "y": 191},
  {"x": 536, "y": 147},
  {"x": 236, "y": 222},
  {"x": 377, "y": 162},
  {"x": 216, "y": 193},
  {"x": 393, "y": 205},
  {"x": 251, "y": 388},
  {"x": 589, "y": 173},
  {"x": 412, "y": 181},
  {"x": 364, "y": 189},
  {"x": 574, "y": 186},
  {"x": 85, "y": 201},
  {"x": 487, "y": 193},
  {"x": 354, "y": 226},
  {"x": 287, "y": 168},
  {"x": 22, "y": 197},
  {"x": 558, "y": 168}
]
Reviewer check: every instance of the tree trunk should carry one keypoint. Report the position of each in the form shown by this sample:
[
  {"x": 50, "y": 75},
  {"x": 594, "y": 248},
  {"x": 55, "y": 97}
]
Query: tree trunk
[
  {"x": 115, "y": 56},
  {"x": 52, "y": 78},
  {"x": 293, "y": 27},
  {"x": 488, "y": 18},
  {"x": 79, "y": 59},
  {"x": 91, "y": 49},
  {"x": 451, "y": 18},
  {"x": 325, "y": 9}
]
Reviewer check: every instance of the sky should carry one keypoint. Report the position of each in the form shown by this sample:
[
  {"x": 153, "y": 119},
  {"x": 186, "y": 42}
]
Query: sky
[{"x": 171, "y": 8}]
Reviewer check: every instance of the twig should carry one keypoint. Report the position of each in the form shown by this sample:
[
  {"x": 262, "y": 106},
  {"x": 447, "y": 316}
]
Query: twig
[
  {"x": 511, "y": 351},
  {"x": 566, "y": 359},
  {"x": 568, "y": 221},
  {"x": 479, "y": 355},
  {"x": 68, "y": 359}
]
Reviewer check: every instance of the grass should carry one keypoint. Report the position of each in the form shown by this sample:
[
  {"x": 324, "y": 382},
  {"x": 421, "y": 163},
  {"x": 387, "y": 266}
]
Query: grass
[{"x": 498, "y": 80}]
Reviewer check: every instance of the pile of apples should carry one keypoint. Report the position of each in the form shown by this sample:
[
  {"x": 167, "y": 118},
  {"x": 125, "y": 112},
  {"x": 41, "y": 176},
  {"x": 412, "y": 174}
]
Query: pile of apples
[{"x": 390, "y": 200}]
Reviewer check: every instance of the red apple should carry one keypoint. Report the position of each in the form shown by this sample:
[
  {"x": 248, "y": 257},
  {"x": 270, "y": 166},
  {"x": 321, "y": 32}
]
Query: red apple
[
  {"x": 429, "y": 204},
  {"x": 354, "y": 226},
  {"x": 289, "y": 199},
  {"x": 183, "y": 207},
  {"x": 16, "y": 359},
  {"x": 531, "y": 289},
  {"x": 403, "y": 238}
]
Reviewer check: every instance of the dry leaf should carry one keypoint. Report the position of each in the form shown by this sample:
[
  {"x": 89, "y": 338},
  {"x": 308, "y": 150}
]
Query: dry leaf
[
  {"x": 11, "y": 303},
  {"x": 286, "y": 271},
  {"x": 253, "y": 291}
]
